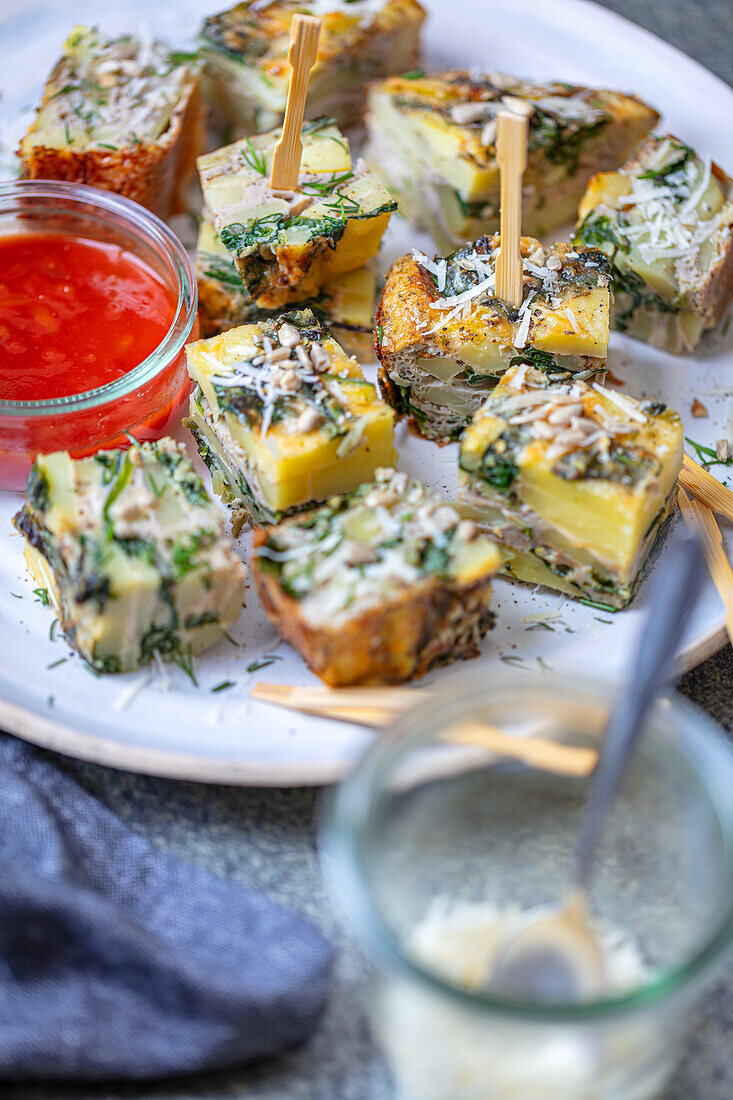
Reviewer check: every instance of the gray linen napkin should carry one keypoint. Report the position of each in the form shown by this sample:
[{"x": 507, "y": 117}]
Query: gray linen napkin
[{"x": 117, "y": 960}]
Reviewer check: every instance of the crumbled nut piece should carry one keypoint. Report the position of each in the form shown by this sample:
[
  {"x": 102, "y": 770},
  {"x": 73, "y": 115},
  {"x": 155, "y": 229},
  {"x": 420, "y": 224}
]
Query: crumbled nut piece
[
  {"x": 288, "y": 335},
  {"x": 466, "y": 530},
  {"x": 299, "y": 204},
  {"x": 445, "y": 517},
  {"x": 722, "y": 450},
  {"x": 519, "y": 106},
  {"x": 278, "y": 355},
  {"x": 488, "y": 134},
  {"x": 308, "y": 420},
  {"x": 319, "y": 357},
  {"x": 303, "y": 356},
  {"x": 399, "y": 481},
  {"x": 469, "y": 112},
  {"x": 381, "y": 498},
  {"x": 288, "y": 381},
  {"x": 554, "y": 263},
  {"x": 698, "y": 409},
  {"x": 357, "y": 553}
]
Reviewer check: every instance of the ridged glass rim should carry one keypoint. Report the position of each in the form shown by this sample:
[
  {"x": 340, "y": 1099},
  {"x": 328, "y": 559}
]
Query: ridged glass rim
[
  {"x": 682, "y": 732},
  {"x": 159, "y": 236}
]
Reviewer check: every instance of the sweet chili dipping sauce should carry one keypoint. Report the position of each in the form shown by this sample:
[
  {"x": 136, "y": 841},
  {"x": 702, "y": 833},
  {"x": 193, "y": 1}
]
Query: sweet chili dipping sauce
[
  {"x": 75, "y": 314},
  {"x": 78, "y": 314}
]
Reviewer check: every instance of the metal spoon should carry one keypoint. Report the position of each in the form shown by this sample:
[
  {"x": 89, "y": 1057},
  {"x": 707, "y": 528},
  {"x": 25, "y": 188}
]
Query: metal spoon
[{"x": 552, "y": 954}]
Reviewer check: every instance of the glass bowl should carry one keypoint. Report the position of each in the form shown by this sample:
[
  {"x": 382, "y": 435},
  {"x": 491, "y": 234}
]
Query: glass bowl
[
  {"x": 468, "y": 808},
  {"x": 145, "y": 401}
]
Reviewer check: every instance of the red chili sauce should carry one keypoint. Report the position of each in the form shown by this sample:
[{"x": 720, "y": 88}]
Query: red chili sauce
[{"x": 74, "y": 314}]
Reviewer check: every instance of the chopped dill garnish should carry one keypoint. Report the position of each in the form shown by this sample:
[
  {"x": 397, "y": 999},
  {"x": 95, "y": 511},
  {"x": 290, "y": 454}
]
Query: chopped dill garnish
[
  {"x": 52, "y": 629},
  {"x": 726, "y": 324},
  {"x": 515, "y": 662},
  {"x": 119, "y": 484},
  {"x": 67, "y": 132},
  {"x": 316, "y": 125},
  {"x": 414, "y": 74},
  {"x": 541, "y": 626},
  {"x": 63, "y": 91},
  {"x": 224, "y": 685},
  {"x": 255, "y": 159},
  {"x": 544, "y": 665},
  {"x": 269, "y": 659},
  {"x": 42, "y": 595},
  {"x": 55, "y": 664},
  {"x": 707, "y": 456},
  {"x": 16, "y": 596},
  {"x": 104, "y": 145},
  {"x": 598, "y": 605},
  {"x": 325, "y": 186},
  {"x": 158, "y": 491},
  {"x": 229, "y": 638},
  {"x": 181, "y": 57},
  {"x": 184, "y": 662},
  {"x": 600, "y": 620}
]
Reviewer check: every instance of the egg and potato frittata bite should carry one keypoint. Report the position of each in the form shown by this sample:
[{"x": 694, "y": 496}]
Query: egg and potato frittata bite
[
  {"x": 246, "y": 50},
  {"x": 346, "y": 306},
  {"x": 133, "y": 554},
  {"x": 378, "y": 585},
  {"x": 288, "y": 245},
  {"x": 432, "y": 139},
  {"x": 665, "y": 220},
  {"x": 572, "y": 480},
  {"x": 124, "y": 114},
  {"x": 444, "y": 339},
  {"x": 283, "y": 417}
]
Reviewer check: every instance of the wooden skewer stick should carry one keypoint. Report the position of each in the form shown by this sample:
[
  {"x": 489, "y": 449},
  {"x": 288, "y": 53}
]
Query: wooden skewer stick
[
  {"x": 379, "y": 706},
  {"x": 376, "y": 706},
  {"x": 699, "y": 483},
  {"x": 699, "y": 517},
  {"x": 538, "y": 752},
  {"x": 305, "y": 31},
  {"x": 511, "y": 156}
]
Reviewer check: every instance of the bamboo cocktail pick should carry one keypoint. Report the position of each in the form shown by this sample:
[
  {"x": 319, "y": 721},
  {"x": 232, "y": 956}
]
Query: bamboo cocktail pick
[
  {"x": 511, "y": 156},
  {"x": 304, "y": 34},
  {"x": 700, "y": 518},
  {"x": 699, "y": 483},
  {"x": 380, "y": 706}
]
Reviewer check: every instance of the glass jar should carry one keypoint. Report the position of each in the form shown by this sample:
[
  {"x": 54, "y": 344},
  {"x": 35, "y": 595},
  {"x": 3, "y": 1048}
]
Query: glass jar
[
  {"x": 146, "y": 400},
  {"x": 468, "y": 807}
]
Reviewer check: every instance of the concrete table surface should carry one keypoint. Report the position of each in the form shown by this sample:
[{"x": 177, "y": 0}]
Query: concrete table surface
[{"x": 267, "y": 838}]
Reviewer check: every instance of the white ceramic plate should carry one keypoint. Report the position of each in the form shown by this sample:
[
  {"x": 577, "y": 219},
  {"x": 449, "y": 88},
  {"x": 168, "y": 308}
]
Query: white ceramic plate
[{"x": 166, "y": 725}]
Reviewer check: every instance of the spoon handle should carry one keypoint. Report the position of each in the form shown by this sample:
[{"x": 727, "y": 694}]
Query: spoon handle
[{"x": 678, "y": 585}]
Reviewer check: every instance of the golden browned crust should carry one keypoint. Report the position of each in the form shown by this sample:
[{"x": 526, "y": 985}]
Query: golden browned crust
[
  {"x": 154, "y": 174},
  {"x": 218, "y": 306},
  {"x": 263, "y": 37},
  {"x": 407, "y": 291},
  {"x": 405, "y": 299},
  {"x": 431, "y": 624},
  {"x": 719, "y": 288}
]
